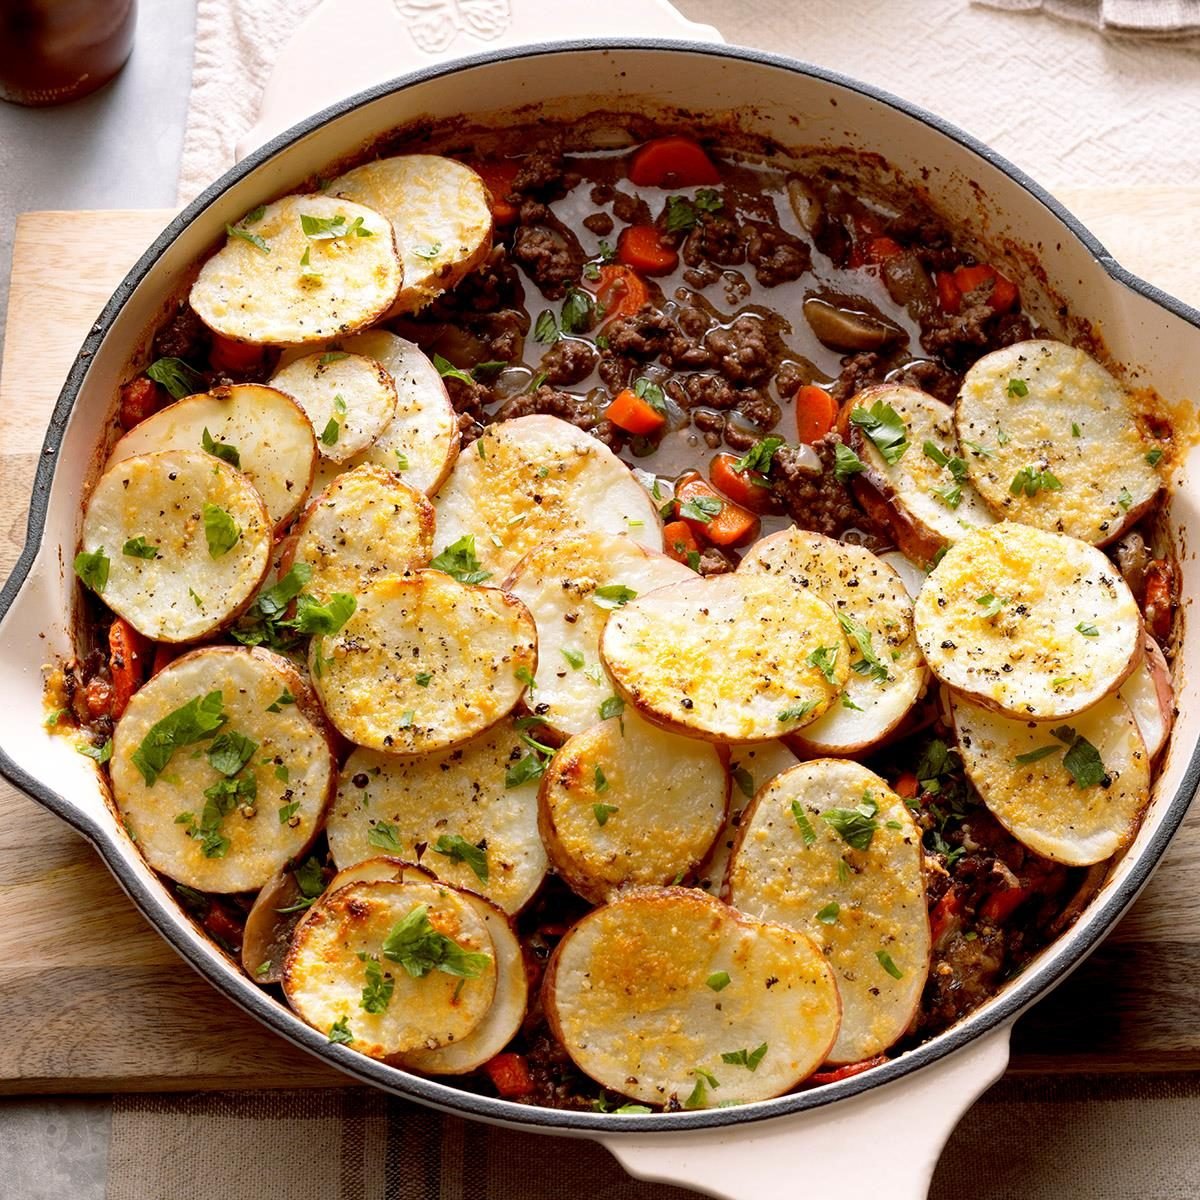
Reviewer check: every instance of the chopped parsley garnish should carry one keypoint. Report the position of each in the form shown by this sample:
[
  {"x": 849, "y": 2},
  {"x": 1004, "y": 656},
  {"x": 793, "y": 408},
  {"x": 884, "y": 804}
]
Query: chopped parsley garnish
[
  {"x": 101, "y": 753},
  {"x": 428, "y": 253},
  {"x": 339, "y": 1032},
  {"x": 885, "y": 961},
  {"x": 92, "y": 569},
  {"x": 313, "y": 617},
  {"x": 613, "y": 706},
  {"x": 745, "y": 1058},
  {"x": 803, "y": 823},
  {"x": 846, "y": 462},
  {"x": 699, "y": 1095},
  {"x": 682, "y": 212},
  {"x": 1154, "y": 457},
  {"x": 1031, "y": 480},
  {"x": 284, "y": 697},
  {"x": 221, "y": 450},
  {"x": 288, "y": 811},
  {"x": 383, "y": 836},
  {"x": 1087, "y": 629},
  {"x": 951, "y": 495},
  {"x": 1018, "y": 388},
  {"x": 447, "y": 370},
  {"x": 377, "y": 994},
  {"x": 573, "y": 657},
  {"x": 1075, "y": 430},
  {"x": 406, "y": 718},
  {"x": 1082, "y": 759},
  {"x": 531, "y": 766},
  {"x": 824, "y": 658},
  {"x": 855, "y": 826},
  {"x": 545, "y": 328},
  {"x": 246, "y": 236},
  {"x": 221, "y": 530},
  {"x": 613, "y": 595},
  {"x": 196, "y": 721},
  {"x": 990, "y": 603},
  {"x": 577, "y": 311},
  {"x": 457, "y": 849},
  {"x": 744, "y": 781},
  {"x": 885, "y": 427},
  {"x": 601, "y": 780},
  {"x": 422, "y": 678},
  {"x": 176, "y": 376},
  {"x": 797, "y": 712},
  {"x": 1124, "y": 499},
  {"x": 1037, "y": 755},
  {"x": 648, "y": 390},
  {"x": 718, "y": 980},
  {"x": 848, "y": 703},
  {"x": 602, "y": 812},
  {"x": 870, "y": 663},
  {"x": 230, "y": 751},
  {"x": 459, "y": 561},
  {"x": 525, "y": 675},
  {"x": 760, "y": 456},
  {"x": 323, "y": 229},
  {"x": 138, "y": 547},
  {"x": 333, "y": 428},
  {"x": 419, "y": 949},
  {"x": 701, "y": 508},
  {"x": 829, "y": 914}
]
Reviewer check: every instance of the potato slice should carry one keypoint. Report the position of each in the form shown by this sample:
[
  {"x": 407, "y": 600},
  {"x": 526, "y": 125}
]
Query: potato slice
[
  {"x": 570, "y": 584},
  {"x": 752, "y": 766},
  {"x": 255, "y": 428},
  {"x": 533, "y": 478},
  {"x": 296, "y": 287},
  {"x": 424, "y": 663},
  {"x": 348, "y": 398},
  {"x": 259, "y": 816},
  {"x": 650, "y": 991},
  {"x": 420, "y": 807},
  {"x": 876, "y": 615},
  {"x": 1151, "y": 697},
  {"x": 728, "y": 658},
  {"x": 1039, "y": 800},
  {"x": 504, "y": 1017},
  {"x": 326, "y": 976},
  {"x": 366, "y": 523},
  {"x": 187, "y": 539},
  {"x": 1064, "y": 451},
  {"x": 922, "y": 496},
  {"x": 1034, "y": 624},
  {"x": 439, "y": 209},
  {"x": 626, "y": 803},
  {"x": 829, "y": 849}
]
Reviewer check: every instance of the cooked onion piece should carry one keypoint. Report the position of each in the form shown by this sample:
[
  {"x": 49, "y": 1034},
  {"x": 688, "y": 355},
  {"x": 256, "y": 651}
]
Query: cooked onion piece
[
  {"x": 186, "y": 538},
  {"x": 923, "y": 494},
  {"x": 532, "y": 478},
  {"x": 570, "y": 584},
  {"x": 440, "y": 212},
  {"x": 1064, "y": 451},
  {"x": 221, "y": 768},
  {"x": 1072, "y": 793},
  {"x": 651, "y": 992},
  {"x": 503, "y": 1018},
  {"x": 424, "y": 662},
  {"x": 360, "y": 967},
  {"x": 887, "y": 672},
  {"x": 348, "y": 398},
  {"x": 829, "y": 849},
  {"x": 739, "y": 657},
  {"x": 469, "y": 814},
  {"x": 1034, "y": 624},
  {"x": 1151, "y": 697},
  {"x": 626, "y": 803},
  {"x": 256, "y": 429},
  {"x": 309, "y": 268},
  {"x": 366, "y": 523}
]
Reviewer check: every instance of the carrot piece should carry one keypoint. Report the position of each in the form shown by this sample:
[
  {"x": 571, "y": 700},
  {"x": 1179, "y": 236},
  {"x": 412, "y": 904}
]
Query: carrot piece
[
  {"x": 850, "y": 1069},
  {"x": 880, "y": 249},
  {"x": 621, "y": 290},
  {"x": 672, "y": 162},
  {"x": 220, "y": 924},
  {"x": 906, "y": 786},
  {"x": 750, "y": 489},
  {"x": 164, "y": 656},
  {"x": 633, "y": 413},
  {"x": 126, "y": 663},
  {"x": 949, "y": 296},
  {"x": 499, "y": 176},
  {"x": 999, "y": 906},
  {"x": 140, "y": 398},
  {"x": 1004, "y": 294},
  {"x": 641, "y": 247},
  {"x": 509, "y": 1074},
  {"x": 723, "y": 522},
  {"x": 945, "y": 916},
  {"x": 816, "y": 412},
  {"x": 98, "y": 698},
  {"x": 228, "y": 355},
  {"x": 679, "y": 541},
  {"x": 1158, "y": 602}
]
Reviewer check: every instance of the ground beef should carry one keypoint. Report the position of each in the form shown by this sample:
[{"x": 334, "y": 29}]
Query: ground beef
[
  {"x": 714, "y": 238},
  {"x": 960, "y": 338},
  {"x": 964, "y": 973},
  {"x": 494, "y": 285},
  {"x": 930, "y": 377},
  {"x": 469, "y": 399},
  {"x": 832, "y": 238},
  {"x": 580, "y": 411},
  {"x": 601, "y": 193},
  {"x": 814, "y": 501},
  {"x": 741, "y": 351},
  {"x": 548, "y": 250},
  {"x": 601, "y": 224},
  {"x": 761, "y": 411},
  {"x": 858, "y": 371},
  {"x": 544, "y": 174},
  {"x": 184, "y": 336},
  {"x": 702, "y": 276},
  {"x": 777, "y": 256},
  {"x": 918, "y": 228},
  {"x": 568, "y": 361},
  {"x": 633, "y": 210},
  {"x": 643, "y": 335},
  {"x": 710, "y": 391},
  {"x": 715, "y": 562}
]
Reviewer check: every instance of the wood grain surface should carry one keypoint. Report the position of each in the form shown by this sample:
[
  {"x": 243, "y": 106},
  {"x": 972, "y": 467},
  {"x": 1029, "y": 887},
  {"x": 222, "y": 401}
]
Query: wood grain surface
[{"x": 92, "y": 1000}]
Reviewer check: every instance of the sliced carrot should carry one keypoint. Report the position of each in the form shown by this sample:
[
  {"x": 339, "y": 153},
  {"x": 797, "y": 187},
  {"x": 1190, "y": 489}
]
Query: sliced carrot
[
  {"x": 748, "y": 488},
  {"x": 98, "y": 698},
  {"x": 1004, "y": 294},
  {"x": 509, "y": 1075},
  {"x": 164, "y": 656},
  {"x": 816, "y": 413},
  {"x": 1158, "y": 602},
  {"x": 499, "y": 176},
  {"x": 641, "y": 247},
  {"x": 999, "y": 906},
  {"x": 672, "y": 162},
  {"x": 621, "y": 290},
  {"x": 847, "y": 1071},
  {"x": 906, "y": 786},
  {"x": 126, "y": 663},
  {"x": 949, "y": 296},
  {"x": 634, "y": 414},
  {"x": 880, "y": 249},
  {"x": 679, "y": 541},
  {"x": 721, "y": 522},
  {"x": 945, "y": 918},
  {"x": 228, "y": 355}
]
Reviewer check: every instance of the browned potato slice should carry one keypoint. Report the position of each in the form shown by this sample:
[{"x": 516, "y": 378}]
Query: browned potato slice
[
  {"x": 424, "y": 663},
  {"x": 360, "y": 967},
  {"x": 365, "y": 524},
  {"x": 728, "y": 658},
  {"x": 829, "y": 849},
  {"x": 626, "y": 803},
  {"x": 222, "y": 769},
  {"x": 650, "y": 992}
]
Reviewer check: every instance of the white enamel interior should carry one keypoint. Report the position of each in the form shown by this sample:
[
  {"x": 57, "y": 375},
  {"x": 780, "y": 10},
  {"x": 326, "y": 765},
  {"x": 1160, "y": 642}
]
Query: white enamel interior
[{"x": 1159, "y": 350}]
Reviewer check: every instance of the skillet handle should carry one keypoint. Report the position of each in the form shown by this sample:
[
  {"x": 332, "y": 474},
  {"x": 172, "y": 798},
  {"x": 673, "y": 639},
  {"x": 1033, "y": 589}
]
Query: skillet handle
[
  {"x": 328, "y": 58},
  {"x": 884, "y": 1142}
]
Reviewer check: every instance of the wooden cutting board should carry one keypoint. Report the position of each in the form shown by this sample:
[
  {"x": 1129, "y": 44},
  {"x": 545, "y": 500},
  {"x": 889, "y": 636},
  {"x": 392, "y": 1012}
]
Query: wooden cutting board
[{"x": 92, "y": 1000}]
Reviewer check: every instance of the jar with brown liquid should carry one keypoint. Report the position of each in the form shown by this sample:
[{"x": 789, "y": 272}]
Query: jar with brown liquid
[{"x": 52, "y": 51}]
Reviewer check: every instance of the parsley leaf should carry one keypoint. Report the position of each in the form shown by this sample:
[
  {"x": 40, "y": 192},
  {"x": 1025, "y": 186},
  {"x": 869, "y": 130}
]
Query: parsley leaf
[
  {"x": 718, "y": 980},
  {"x": 284, "y": 697},
  {"x": 744, "y": 781},
  {"x": 323, "y": 229},
  {"x": 459, "y": 561},
  {"x": 377, "y": 994},
  {"x": 258, "y": 243},
  {"x": 700, "y": 508},
  {"x": 1018, "y": 388},
  {"x": 457, "y": 849},
  {"x": 614, "y": 706},
  {"x": 573, "y": 657},
  {"x": 1087, "y": 629},
  {"x": 854, "y": 827},
  {"x": 101, "y": 753},
  {"x": 1082, "y": 759},
  {"x": 870, "y": 663},
  {"x": 428, "y": 253},
  {"x": 885, "y": 961},
  {"x": 447, "y": 370},
  {"x": 221, "y": 530},
  {"x": 176, "y": 376},
  {"x": 824, "y": 658},
  {"x": 797, "y": 712},
  {"x": 803, "y": 823},
  {"x": 745, "y": 1058},
  {"x": 531, "y": 766},
  {"x": 221, "y": 450},
  {"x": 230, "y": 751},
  {"x": 196, "y": 721},
  {"x": 138, "y": 547},
  {"x": 760, "y": 456},
  {"x": 845, "y": 462},
  {"x": 92, "y": 569},
  {"x": 545, "y": 328},
  {"x": 339, "y": 1032},
  {"x": 1031, "y": 480},
  {"x": 1154, "y": 457},
  {"x": 681, "y": 214},
  {"x": 600, "y": 779},
  {"x": 885, "y": 427},
  {"x": 613, "y": 595},
  {"x": 383, "y": 836},
  {"x": 313, "y": 617},
  {"x": 602, "y": 812},
  {"x": 829, "y": 914},
  {"x": 419, "y": 949},
  {"x": 577, "y": 311},
  {"x": 1037, "y": 755}
]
